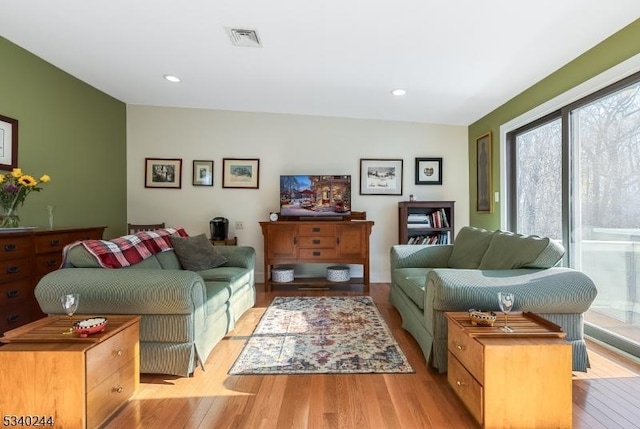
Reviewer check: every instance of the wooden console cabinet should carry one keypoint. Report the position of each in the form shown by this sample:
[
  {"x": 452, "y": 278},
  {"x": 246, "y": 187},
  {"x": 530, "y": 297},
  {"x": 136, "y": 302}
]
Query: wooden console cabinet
[
  {"x": 299, "y": 242},
  {"x": 25, "y": 257}
]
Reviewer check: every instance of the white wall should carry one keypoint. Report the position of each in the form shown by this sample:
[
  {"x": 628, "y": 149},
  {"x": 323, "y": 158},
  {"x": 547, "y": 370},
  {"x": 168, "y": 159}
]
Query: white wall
[{"x": 285, "y": 144}]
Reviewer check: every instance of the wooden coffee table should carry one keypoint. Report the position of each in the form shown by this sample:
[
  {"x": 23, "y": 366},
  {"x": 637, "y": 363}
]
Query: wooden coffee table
[
  {"x": 58, "y": 380},
  {"x": 511, "y": 379}
]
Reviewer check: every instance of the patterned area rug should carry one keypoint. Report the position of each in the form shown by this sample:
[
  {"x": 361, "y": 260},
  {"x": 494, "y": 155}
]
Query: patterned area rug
[{"x": 321, "y": 335}]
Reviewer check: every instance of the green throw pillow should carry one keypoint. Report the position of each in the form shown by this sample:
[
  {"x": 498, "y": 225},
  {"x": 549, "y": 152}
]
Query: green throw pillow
[
  {"x": 196, "y": 253},
  {"x": 508, "y": 251},
  {"x": 469, "y": 248}
]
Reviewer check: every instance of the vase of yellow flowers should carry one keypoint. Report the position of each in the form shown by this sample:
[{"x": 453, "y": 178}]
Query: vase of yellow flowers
[{"x": 14, "y": 188}]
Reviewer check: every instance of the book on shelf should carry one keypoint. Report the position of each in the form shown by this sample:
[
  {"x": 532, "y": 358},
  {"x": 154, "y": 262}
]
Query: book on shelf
[
  {"x": 442, "y": 238},
  {"x": 418, "y": 225},
  {"x": 435, "y": 219}
]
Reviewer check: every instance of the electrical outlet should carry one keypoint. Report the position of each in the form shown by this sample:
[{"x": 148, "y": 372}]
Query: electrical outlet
[{"x": 239, "y": 225}]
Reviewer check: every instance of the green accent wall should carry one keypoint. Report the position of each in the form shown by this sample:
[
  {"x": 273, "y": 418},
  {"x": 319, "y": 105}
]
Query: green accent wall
[
  {"x": 610, "y": 52},
  {"x": 74, "y": 133}
]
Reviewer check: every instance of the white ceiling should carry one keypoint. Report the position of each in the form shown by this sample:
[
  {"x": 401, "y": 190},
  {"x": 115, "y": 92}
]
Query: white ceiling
[{"x": 458, "y": 59}]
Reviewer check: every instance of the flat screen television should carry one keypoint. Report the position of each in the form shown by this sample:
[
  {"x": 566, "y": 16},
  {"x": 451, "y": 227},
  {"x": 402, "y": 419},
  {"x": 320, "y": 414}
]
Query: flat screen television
[{"x": 315, "y": 195}]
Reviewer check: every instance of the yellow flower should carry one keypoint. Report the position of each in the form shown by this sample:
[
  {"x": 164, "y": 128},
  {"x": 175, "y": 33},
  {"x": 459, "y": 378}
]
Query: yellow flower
[
  {"x": 28, "y": 181},
  {"x": 1, "y": 178},
  {"x": 44, "y": 179},
  {"x": 17, "y": 172}
]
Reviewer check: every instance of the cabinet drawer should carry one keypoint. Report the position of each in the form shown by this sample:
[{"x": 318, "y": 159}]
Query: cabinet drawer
[
  {"x": 466, "y": 387},
  {"x": 316, "y": 229},
  {"x": 15, "y": 247},
  {"x": 317, "y": 242},
  {"x": 107, "y": 357},
  {"x": 108, "y": 396},
  {"x": 52, "y": 242},
  {"x": 15, "y": 269},
  {"x": 14, "y": 316},
  {"x": 320, "y": 254},
  {"x": 90, "y": 234},
  {"x": 15, "y": 293},
  {"x": 468, "y": 351},
  {"x": 47, "y": 263}
]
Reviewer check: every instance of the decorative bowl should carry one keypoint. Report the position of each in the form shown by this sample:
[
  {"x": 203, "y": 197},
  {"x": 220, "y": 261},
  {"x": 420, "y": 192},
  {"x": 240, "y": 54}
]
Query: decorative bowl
[
  {"x": 89, "y": 326},
  {"x": 482, "y": 318}
]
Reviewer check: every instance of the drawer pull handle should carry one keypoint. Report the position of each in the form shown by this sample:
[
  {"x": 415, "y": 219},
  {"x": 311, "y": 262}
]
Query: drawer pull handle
[
  {"x": 13, "y": 293},
  {"x": 316, "y": 253},
  {"x": 13, "y": 318},
  {"x": 295, "y": 240},
  {"x": 459, "y": 347},
  {"x": 316, "y": 241},
  {"x": 316, "y": 229},
  {"x": 119, "y": 389},
  {"x": 119, "y": 353},
  {"x": 10, "y": 247},
  {"x": 338, "y": 240},
  {"x": 460, "y": 383},
  {"x": 51, "y": 262},
  {"x": 12, "y": 269},
  {"x": 55, "y": 243}
]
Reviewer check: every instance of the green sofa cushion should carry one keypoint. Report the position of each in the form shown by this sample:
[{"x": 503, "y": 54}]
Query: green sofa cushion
[
  {"x": 470, "y": 247},
  {"x": 549, "y": 257},
  {"x": 412, "y": 281},
  {"x": 196, "y": 253},
  {"x": 508, "y": 251}
]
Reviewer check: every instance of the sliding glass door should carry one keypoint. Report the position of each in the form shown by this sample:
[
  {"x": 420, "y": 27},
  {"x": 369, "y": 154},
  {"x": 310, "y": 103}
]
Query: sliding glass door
[
  {"x": 605, "y": 135},
  {"x": 575, "y": 176}
]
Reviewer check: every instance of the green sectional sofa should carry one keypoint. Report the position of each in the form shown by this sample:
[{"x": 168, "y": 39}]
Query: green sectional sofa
[
  {"x": 427, "y": 281},
  {"x": 184, "y": 314}
]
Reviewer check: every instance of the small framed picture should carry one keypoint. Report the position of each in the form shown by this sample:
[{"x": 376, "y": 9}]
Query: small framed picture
[
  {"x": 241, "y": 173},
  {"x": 163, "y": 173},
  {"x": 202, "y": 173},
  {"x": 428, "y": 171},
  {"x": 380, "y": 177},
  {"x": 8, "y": 143},
  {"x": 483, "y": 173}
]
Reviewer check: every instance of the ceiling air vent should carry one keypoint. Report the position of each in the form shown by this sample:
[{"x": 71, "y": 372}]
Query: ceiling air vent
[{"x": 244, "y": 37}]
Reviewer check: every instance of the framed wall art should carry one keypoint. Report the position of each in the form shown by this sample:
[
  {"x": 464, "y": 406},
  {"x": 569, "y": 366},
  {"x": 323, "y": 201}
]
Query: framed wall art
[
  {"x": 428, "y": 171},
  {"x": 202, "y": 173},
  {"x": 163, "y": 173},
  {"x": 483, "y": 171},
  {"x": 380, "y": 177},
  {"x": 241, "y": 173},
  {"x": 8, "y": 143}
]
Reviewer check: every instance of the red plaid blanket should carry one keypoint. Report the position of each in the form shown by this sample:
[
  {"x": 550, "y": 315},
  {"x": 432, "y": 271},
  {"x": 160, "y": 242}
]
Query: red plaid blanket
[{"x": 129, "y": 249}]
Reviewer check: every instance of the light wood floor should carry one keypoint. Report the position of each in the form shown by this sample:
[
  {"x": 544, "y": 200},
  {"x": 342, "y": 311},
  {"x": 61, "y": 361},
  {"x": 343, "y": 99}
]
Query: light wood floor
[{"x": 605, "y": 397}]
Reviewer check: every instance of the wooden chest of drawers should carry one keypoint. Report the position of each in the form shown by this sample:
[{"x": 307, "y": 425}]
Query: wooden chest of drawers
[
  {"x": 295, "y": 242},
  {"x": 74, "y": 382},
  {"x": 520, "y": 379},
  {"x": 25, "y": 257}
]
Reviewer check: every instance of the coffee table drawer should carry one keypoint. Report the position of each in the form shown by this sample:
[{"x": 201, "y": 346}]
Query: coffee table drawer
[
  {"x": 466, "y": 387},
  {"x": 467, "y": 350},
  {"x": 108, "y": 396},
  {"x": 110, "y": 355}
]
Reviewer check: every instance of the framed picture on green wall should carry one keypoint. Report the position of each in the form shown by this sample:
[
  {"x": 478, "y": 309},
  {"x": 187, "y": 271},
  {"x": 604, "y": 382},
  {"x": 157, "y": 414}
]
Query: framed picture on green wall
[
  {"x": 483, "y": 171},
  {"x": 8, "y": 143}
]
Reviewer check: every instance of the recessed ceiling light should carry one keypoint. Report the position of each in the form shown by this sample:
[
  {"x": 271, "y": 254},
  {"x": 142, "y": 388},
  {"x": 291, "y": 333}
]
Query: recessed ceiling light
[
  {"x": 172, "y": 78},
  {"x": 399, "y": 91}
]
